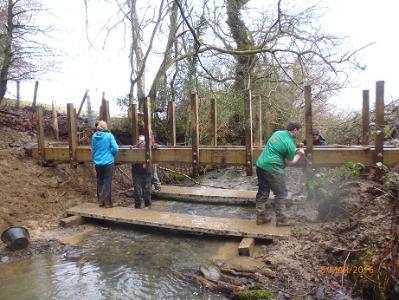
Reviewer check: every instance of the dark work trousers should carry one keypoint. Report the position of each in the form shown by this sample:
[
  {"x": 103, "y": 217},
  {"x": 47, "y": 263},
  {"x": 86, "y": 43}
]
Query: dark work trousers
[
  {"x": 104, "y": 183},
  {"x": 270, "y": 181},
  {"x": 142, "y": 189}
]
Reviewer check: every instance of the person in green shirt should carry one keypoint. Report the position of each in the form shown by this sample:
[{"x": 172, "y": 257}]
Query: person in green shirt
[{"x": 280, "y": 150}]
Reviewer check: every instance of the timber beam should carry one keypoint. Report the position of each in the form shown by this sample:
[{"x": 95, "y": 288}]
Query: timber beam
[{"x": 322, "y": 156}]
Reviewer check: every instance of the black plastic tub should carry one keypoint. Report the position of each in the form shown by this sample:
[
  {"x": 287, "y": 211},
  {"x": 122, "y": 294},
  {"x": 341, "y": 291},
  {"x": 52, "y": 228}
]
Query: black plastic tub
[{"x": 15, "y": 237}]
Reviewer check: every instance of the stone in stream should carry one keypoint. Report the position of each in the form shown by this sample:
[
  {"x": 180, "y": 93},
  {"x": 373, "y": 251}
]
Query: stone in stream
[
  {"x": 73, "y": 255},
  {"x": 210, "y": 273}
]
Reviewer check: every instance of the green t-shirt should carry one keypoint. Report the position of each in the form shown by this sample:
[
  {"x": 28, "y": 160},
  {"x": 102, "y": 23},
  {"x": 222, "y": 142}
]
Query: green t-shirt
[{"x": 279, "y": 147}]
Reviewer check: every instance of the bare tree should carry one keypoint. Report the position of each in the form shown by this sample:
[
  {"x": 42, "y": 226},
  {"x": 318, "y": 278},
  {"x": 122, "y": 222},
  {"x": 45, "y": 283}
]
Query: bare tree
[
  {"x": 278, "y": 42},
  {"x": 21, "y": 52}
]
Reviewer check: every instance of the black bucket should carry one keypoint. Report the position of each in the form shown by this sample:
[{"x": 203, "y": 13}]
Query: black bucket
[{"x": 15, "y": 237}]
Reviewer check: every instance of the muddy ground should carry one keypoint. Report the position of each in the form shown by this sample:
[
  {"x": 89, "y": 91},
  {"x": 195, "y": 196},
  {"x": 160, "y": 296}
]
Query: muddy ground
[{"x": 360, "y": 219}]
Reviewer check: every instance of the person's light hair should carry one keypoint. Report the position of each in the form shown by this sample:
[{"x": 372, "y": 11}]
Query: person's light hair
[{"x": 102, "y": 125}]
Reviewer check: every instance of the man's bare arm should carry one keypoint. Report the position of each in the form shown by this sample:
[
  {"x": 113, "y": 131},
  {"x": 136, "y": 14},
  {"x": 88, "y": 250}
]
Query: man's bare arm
[{"x": 297, "y": 157}]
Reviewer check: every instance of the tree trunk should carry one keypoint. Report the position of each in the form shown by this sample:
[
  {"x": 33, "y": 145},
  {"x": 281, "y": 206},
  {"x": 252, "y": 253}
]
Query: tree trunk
[
  {"x": 7, "y": 54},
  {"x": 168, "y": 51},
  {"x": 241, "y": 35},
  {"x": 136, "y": 55}
]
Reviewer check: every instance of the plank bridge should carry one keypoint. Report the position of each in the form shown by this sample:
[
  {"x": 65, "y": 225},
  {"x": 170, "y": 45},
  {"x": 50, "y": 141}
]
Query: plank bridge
[{"x": 213, "y": 154}]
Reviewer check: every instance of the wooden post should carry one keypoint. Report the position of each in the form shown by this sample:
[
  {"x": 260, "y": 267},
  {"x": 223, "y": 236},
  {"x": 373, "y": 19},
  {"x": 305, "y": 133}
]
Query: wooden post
[
  {"x": 246, "y": 247},
  {"x": 365, "y": 118},
  {"x": 102, "y": 108},
  {"x": 135, "y": 123},
  {"x": 308, "y": 123},
  {"x": 55, "y": 121},
  {"x": 18, "y": 95},
  {"x": 105, "y": 115},
  {"x": 40, "y": 135},
  {"x": 379, "y": 122},
  {"x": 248, "y": 132},
  {"x": 147, "y": 133},
  {"x": 258, "y": 123},
  {"x": 72, "y": 133},
  {"x": 100, "y": 113},
  {"x": 81, "y": 103},
  {"x": 35, "y": 95},
  {"x": 195, "y": 133},
  {"x": 214, "y": 121},
  {"x": 172, "y": 123}
]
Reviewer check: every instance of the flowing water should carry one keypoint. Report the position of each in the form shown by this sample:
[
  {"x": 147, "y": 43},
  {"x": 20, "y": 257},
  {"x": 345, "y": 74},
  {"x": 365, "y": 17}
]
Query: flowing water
[
  {"x": 124, "y": 262},
  {"x": 128, "y": 262}
]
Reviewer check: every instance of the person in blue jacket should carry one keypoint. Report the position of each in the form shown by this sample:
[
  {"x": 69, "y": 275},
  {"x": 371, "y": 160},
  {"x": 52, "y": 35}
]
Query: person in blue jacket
[{"x": 103, "y": 151}]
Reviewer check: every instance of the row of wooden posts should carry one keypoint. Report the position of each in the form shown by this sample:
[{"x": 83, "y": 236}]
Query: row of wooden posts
[
  {"x": 18, "y": 96},
  {"x": 249, "y": 136}
]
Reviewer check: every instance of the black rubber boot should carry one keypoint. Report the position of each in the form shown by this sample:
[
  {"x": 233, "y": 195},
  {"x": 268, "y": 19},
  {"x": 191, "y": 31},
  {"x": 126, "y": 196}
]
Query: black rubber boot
[{"x": 137, "y": 203}]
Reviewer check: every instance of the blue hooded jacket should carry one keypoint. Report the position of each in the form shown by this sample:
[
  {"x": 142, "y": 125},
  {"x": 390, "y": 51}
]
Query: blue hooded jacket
[{"x": 103, "y": 148}]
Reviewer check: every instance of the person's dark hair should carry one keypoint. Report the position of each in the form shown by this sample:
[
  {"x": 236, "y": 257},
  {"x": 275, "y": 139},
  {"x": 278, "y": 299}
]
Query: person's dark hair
[{"x": 293, "y": 125}]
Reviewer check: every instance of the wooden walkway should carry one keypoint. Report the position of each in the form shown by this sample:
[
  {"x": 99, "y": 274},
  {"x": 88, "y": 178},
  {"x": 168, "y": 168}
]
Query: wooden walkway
[
  {"x": 182, "y": 222},
  {"x": 206, "y": 195}
]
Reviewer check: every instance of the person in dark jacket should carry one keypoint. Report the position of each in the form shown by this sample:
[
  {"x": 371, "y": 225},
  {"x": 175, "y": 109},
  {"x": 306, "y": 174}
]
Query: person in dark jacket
[
  {"x": 318, "y": 140},
  {"x": 103, "y": 151},
  {"x": 141, "y": 180}
]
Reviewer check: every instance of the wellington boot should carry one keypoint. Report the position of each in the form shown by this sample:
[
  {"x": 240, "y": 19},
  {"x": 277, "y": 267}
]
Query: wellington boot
[
  {"x": 262, "y": 219},
  {"x": 282, "y": 221}
]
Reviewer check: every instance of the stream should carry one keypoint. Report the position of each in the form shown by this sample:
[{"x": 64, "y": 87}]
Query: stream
[
  {"x": 110, "y": 261},
  {"x": 124, "y": 262}
]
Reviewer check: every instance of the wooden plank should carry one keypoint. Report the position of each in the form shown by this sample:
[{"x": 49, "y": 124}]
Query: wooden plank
[
  {"x": 379, "y": 122},
  {"x": 135, "y": 123},
  {"x": 248, "y": 133},
  {"x": 246, "y": 247},
  {"x": 213, "y": 125},
  {"x": 365, "y": 118},
  {"x": 40, "y": 135},
  {"x": 172, "y": 123},
  {"x": 195, "y": 134},
  {"x": 72, "y": 133},
  {"x": 206, "y": 195},
  {"x": 258, "y": 128},
  {"x": 308, "y": 123},
  {"x": 147, "y": 132},
  {"x": 182, "y": 222},
  {"x": 73, "y": 221},
  {"x": 322, "y": 156}
]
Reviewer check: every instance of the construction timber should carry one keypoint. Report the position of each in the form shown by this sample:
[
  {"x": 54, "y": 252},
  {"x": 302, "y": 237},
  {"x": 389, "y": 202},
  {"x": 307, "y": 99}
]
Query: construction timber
[
  {"x": 182, "y": 222},
  {"x": 214, "y": 154}
]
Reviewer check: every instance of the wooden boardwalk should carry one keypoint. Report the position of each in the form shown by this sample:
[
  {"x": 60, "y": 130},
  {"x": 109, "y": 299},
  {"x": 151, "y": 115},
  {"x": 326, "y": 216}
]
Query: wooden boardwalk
[
  {"x": 182, "y": 222},
  {"x": 206, "y": 195}
]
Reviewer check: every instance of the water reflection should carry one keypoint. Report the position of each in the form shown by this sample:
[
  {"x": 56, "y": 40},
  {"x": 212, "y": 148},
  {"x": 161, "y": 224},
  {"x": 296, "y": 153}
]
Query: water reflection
[{"x": 118, "y": 263}]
